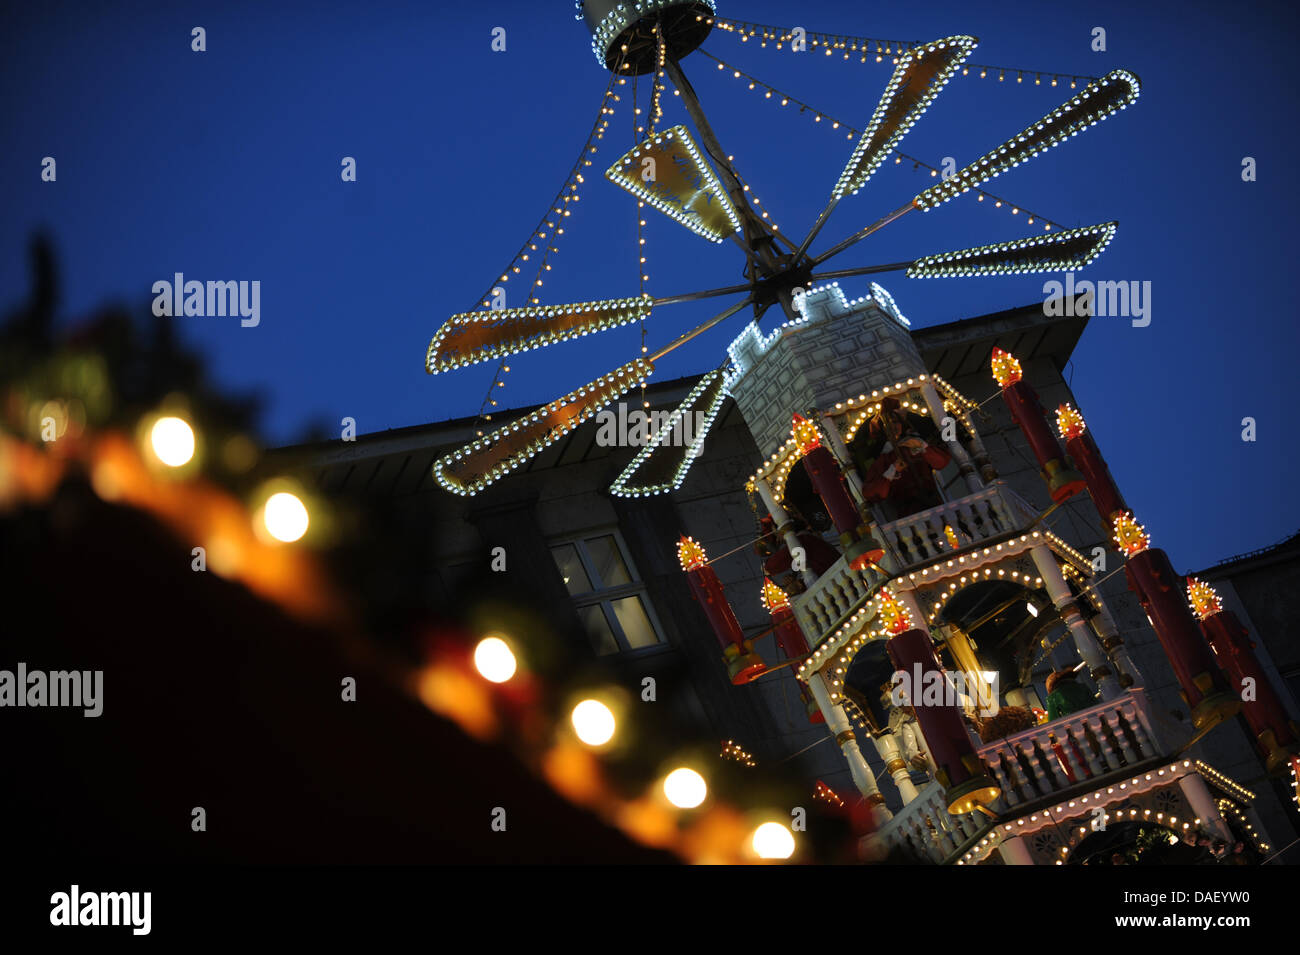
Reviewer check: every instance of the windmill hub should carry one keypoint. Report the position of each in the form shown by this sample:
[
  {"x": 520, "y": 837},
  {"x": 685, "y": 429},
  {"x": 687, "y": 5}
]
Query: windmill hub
[
  {"x": 637, "y": 24},
  {"x": 780, "y": 285}
]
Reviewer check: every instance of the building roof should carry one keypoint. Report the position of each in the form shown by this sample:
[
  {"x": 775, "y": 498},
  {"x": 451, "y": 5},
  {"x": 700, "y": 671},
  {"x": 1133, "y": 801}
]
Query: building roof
[
  {"x": 965, "y": 347},
  {"x": 1286, "y": 549}
]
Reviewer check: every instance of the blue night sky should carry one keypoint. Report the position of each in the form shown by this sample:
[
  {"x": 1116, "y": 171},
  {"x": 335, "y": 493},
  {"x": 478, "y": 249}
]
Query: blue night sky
[{"x": 225, "y": 165}]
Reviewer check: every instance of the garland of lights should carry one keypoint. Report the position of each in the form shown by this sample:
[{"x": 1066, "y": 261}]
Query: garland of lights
[
  {"x": 1135, "y": 786},
  {"x": 736, "y": 753},
  {"x": 1065, "y": 251},
  {"x": 1099, "y": 101},
  {"x": 472, "y": 337},
  {"x": 713, "y": 387},
  {"x": 674, "y": 143},
  {"x": 851, "y": 631},
  {"x": 515, "y": 443},
  {"x": 694, "y": 186},
  {"x": 568, "y": 192},
  {"x": 785, "y": 457},
  {"x": 892, "y": 119},
  {"x": 851, "y": 132},
  {"x": 863, "y": 45},
  {"x": 622, "y": 16}
]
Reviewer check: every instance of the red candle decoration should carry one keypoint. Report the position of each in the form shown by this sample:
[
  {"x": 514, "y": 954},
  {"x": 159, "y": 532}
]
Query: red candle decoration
[
  {"x": 856, "y": 811},
  {"x": 1276, "y": 735},
  {"x": 790, "y": 639},
  {"x": 1087, "y": 458},
  {"x": 1022, "y": 401},
  {"x": 962, "y": 774},
  {"x": 1151, "y": 576},
  {"x": 828, "y": 481},
  {"x": 743, "y": 664}
]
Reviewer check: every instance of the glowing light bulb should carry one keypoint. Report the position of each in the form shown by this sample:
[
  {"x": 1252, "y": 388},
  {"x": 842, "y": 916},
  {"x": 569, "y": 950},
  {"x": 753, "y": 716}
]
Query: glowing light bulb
[
  {"x": 172, "y": 440},
  {"x": 773, "y": 841},
  {"x": 494, "y": 660},
  {"x": 285, "y": 517},
  {"x": 593, "y": 722},
  {"x": 685, "y": 788}
]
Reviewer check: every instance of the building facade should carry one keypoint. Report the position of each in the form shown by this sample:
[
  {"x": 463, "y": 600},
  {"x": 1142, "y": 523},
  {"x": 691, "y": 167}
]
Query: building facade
[{"x": 905, "y": 499}]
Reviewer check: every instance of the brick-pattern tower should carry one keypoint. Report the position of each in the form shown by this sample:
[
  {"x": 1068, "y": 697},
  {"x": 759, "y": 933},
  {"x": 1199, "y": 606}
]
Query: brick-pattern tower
[{"x": 838, "y": 350}]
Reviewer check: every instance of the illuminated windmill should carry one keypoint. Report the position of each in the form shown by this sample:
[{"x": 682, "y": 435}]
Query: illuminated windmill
[{"x": 689, "y": 177}]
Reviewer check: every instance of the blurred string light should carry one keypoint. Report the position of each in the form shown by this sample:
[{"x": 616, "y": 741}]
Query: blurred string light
[
  {"x": 285, "y": 517},
  {"x": 656, "y": 108},
  {"x": 548, "y": 232},
  {"x": 772, "y": 840},
  {"x": 772, "y": 94},
  {"x": 685, "y": 788},
  {"x": 824, "y": 793},
  {"x": 494, "y": 660},
  {"x": 736, "y": 753},
  {"x": 753, "y": 197},
  {"x": 594, "y": 722},
  {"x": 172, "y": 441},
  {"x": 197, "y": 510},
  {"x": 874, "y": 49}
]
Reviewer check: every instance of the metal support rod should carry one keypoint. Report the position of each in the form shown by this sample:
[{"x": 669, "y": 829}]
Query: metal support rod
[
  {"x": 710, "y": 141},
  {"x": 765, "y": 261},
  {"x": 816, "y": 227},
  {"x": 700, "y": 329},
  {"x": 693, "y": 296},
  {"x": 862, "y": 234},
  {"x": 865, "y": 270}
]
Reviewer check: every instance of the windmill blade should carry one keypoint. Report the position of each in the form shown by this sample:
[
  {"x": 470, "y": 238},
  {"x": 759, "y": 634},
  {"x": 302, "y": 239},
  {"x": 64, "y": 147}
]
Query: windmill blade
[
  {"x": 471, "y": 337},
  {"x": 495, "y": 455},
  {"x": 1098, "y": 100},
  {"x": 1059, "y": 252},
  {"x": 662, "y": 464},
  {"x": 669, "y": 173},
  {"x": 919, "y": 77}
]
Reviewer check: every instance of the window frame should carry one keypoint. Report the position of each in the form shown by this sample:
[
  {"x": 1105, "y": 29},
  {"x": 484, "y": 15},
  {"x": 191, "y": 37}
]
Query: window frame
[{"x": 605, "y": 596}]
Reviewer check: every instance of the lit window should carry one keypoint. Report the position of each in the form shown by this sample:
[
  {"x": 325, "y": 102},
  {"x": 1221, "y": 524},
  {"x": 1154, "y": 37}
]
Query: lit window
[{"x": 611, "y": 600}]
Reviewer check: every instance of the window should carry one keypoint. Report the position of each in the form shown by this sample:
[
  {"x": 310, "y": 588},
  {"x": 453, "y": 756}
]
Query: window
[{"x": 611, "y": 600}]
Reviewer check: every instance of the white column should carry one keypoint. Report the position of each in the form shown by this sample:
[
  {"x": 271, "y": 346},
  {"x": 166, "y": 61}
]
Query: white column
[
  {"x": 840, "y": 727},
  {"x": 784, "y": 526},
  {"x": 1112, "y": 643},
  {"x": 891, "y": 755},
  {"x": 1084, "y": 641},
  {"x": 1202, "y": 803},
  {"x": 964, "y": 464},
  {"x": 1015, "y": 852},
  {"x": 841, "y": 452}
]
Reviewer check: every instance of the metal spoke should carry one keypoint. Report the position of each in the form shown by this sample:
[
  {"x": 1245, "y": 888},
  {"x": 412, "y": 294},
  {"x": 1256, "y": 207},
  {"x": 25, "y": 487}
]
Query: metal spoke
[
  {"x": 700, "y": 329},
  {"x": 694, "y": 296},
  {"x": 865, "y": 270},
  {"x": 863, "y": 233}
]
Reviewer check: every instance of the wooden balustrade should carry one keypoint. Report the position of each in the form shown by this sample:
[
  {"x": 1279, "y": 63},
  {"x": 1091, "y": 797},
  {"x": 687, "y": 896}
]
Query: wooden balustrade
[
  {"x": 836, "y": 592},
  {"x": 920, "y": 538},
  {"x": 926, "y": 830},
  {"x": 1088, "y": 745},
  {"x": 910, "y": 542}
]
